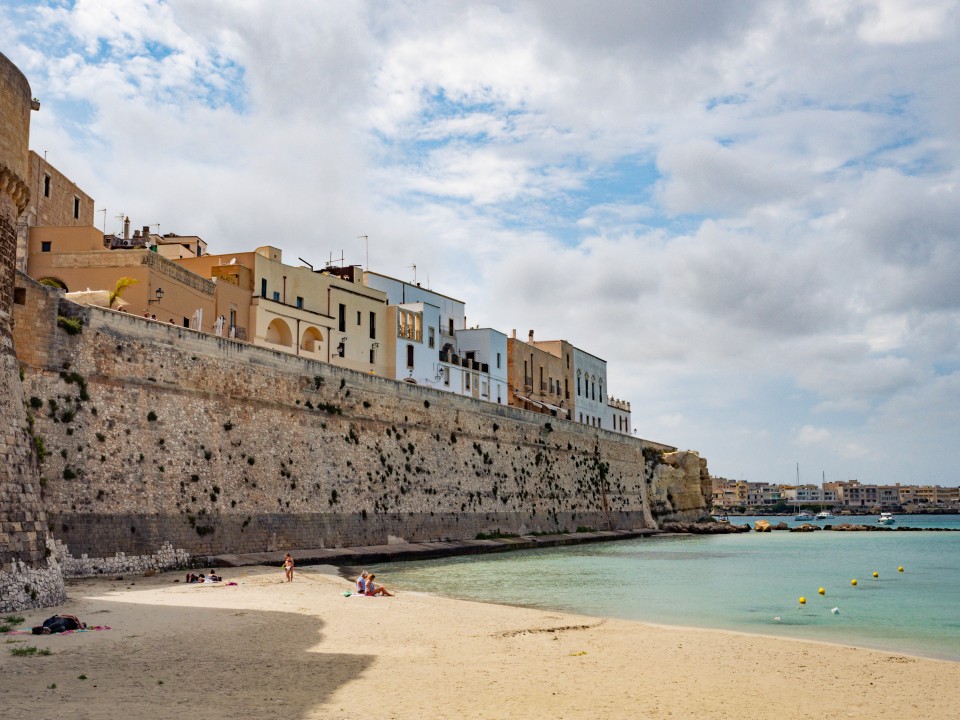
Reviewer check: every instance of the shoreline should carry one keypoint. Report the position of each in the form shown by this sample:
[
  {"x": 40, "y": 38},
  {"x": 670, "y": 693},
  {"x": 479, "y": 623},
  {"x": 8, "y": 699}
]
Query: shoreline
[{"x": 269, "y": 649}]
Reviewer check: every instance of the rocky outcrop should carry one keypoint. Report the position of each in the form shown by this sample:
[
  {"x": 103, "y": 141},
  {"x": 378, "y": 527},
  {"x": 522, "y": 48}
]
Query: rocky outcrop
[{"x": 704, "y": 528}]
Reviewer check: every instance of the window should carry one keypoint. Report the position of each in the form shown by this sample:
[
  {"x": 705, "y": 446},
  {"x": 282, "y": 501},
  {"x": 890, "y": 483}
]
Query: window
[
  {"x": 341, "y": 349},
  {"x": 499, "y": 397},
  {"x": 373, "y": 355},
  {"x": 467, "y": 375},
  {"x": 594, "y": 394},
  {"x": 263, "y": 287},
  {"x": 578, "y": 384},
  {"x": 451, "y": 326},
  {"x": 299, "y": 302},
  {"x": 276, "y": 296},
  {"x": 446, "y": 376},
  {"x": 76, "y": 208},
  {"x": 342, "y": 318},
  {"x": 551, "y": 385},
  {"x": 431, "y": 341},
  {"x": 410, "y": 356},
  {"x": 581, "y": 418},
  {"x": 498, "y": 361},
  {"x": 359, "y": 315},
  {"x": 483, "y": 390},
  {"x": 566, "y": 388},
  {"x": 45, "y": 246},
  {"x": 46, "y": 185}
]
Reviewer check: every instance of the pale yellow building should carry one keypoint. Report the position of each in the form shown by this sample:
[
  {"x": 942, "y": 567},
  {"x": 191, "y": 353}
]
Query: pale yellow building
[{"x": 327, "y": 315}]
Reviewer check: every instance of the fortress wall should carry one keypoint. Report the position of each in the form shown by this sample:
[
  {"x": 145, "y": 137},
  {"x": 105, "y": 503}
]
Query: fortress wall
[
  {"x": 162, "y": 443},
  {"x": 29, "y": 574}
]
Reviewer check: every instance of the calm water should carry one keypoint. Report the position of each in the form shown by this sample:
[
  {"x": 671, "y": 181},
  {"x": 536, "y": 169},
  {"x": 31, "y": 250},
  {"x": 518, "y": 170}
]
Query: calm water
[{"x": 735, "y": 582}]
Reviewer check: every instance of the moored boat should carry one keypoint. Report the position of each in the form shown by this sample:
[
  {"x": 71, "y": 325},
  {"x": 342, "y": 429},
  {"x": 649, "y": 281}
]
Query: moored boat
[{"x": 886, "y": 518}]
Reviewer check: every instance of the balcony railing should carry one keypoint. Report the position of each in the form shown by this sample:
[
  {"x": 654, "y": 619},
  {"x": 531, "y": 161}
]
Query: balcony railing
[{"x": 237, "y": 333}]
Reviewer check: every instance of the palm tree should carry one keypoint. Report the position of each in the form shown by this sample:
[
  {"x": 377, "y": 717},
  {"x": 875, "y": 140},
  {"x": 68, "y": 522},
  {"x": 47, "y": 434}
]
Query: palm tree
[{"x": 122, "y": 284}]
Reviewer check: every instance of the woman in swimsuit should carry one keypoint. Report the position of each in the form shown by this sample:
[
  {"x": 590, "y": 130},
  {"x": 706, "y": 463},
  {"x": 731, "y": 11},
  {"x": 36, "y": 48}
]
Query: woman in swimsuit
[{"x": 373, "y": 589}]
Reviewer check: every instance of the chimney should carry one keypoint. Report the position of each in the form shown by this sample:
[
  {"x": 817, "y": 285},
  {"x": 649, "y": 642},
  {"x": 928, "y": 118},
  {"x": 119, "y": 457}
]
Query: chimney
[
  {"x": 146, "y": 232},
  {"x": 126, "y": 227},
  {"x": 530, "y": 337},
  {"x": 513, "y": 333}
]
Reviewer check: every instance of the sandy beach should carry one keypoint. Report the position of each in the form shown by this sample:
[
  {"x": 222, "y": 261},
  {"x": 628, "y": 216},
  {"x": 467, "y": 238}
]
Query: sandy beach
[{"x": 269, "y": 649}]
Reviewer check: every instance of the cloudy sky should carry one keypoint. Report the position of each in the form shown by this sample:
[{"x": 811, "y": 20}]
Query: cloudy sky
[{"x": 750, "y": 208}]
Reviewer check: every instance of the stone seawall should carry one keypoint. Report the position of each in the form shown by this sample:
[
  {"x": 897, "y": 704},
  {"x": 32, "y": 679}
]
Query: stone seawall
[
  {"x": 159, "y": 442},
  {"x": 29, "y": 575}
]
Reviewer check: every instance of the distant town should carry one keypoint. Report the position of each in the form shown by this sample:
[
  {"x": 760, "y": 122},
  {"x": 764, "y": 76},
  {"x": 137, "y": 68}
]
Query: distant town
[{"x": 843, "y": 497}]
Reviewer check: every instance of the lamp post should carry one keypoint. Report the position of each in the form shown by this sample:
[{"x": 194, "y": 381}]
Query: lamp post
[{"x": 159, "y": 294}]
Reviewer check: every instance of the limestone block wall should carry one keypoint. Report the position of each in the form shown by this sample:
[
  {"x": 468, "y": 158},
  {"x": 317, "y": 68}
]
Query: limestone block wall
[
  {"x": 29, "y": 574},
  {"x": 154, "y": 435}
]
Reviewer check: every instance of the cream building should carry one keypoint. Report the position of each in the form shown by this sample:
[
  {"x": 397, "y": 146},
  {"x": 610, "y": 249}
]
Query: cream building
[{"x": 327, "y": 315}]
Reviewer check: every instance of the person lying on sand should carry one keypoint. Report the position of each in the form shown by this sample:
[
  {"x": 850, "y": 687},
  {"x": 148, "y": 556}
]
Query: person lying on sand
[{"x": 374, "y": 589}]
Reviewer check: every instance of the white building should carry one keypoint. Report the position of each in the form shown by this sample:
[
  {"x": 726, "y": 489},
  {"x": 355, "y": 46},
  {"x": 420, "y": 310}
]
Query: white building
[
  {"x": 433, "y": 346},
  {"x": 590, "y": 385}
]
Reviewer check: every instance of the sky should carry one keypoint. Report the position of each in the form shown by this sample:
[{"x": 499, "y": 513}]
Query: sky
[{"x": 750, "y": 209}]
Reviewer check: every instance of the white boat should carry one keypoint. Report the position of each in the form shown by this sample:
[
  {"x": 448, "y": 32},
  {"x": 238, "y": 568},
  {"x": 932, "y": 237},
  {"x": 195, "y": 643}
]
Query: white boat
[
  {"x": 824, "y": 515},
  {"x": 886, "y": 518},
  {"x": 804, "y": 517}
]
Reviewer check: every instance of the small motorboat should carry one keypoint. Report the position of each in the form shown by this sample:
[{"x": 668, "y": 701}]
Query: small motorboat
[
  {"x": 804, "y": 517},
  {"x": 886, "y": 518},
  {"x": 824, "y": 515}
]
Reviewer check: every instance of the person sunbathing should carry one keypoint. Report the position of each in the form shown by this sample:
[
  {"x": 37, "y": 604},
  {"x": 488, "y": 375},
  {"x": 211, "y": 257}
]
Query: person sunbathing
[{"x": 374, "y": 589}]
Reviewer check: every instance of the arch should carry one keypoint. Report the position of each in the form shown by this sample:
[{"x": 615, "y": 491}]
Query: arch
[
  {"x": 54, "y": 282},
  {"x": 278, "y": 333},
  {"x": 311, "y": 339}
]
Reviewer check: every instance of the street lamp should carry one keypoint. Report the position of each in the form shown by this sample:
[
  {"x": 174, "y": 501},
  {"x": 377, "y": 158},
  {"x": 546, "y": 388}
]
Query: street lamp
[{"x": 159, "y": 294}]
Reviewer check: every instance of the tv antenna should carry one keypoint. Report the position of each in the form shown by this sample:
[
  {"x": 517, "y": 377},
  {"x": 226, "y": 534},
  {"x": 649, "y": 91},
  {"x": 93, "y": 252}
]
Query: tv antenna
[
  {"x": 414, "y": 268},
  {"x": 366, "y": 245}
]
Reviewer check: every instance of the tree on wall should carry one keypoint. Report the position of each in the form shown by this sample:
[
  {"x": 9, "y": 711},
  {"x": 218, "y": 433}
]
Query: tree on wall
[{"x": 122, "y": 284}]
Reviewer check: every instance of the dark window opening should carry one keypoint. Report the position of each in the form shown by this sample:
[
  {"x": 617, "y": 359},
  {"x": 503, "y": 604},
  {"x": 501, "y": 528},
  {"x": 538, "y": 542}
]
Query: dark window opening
[
  {"x": 276, "y": 296},
  {"x": 45, "y": 246},
  {"x": 299, "y": 302},
  {"x": 46, "y": 185},
  {"x": 263, "y": 287},
  {"x": 76, "y": 208},
  {"x": 373, "y": 327},
  {"x": 342, "y": 318},
  {"x": 410, "y": 356}
]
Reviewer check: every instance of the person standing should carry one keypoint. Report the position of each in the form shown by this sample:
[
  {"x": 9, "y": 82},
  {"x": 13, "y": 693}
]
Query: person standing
[{"x": 288, "y": 567}]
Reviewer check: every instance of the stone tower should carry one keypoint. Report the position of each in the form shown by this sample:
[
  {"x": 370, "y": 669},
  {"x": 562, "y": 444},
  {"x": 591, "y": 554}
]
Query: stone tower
[{"x": 29, "y": 573}]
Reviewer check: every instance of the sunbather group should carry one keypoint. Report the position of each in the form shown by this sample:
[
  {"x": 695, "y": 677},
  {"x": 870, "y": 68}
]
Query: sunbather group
[
  {"x": 366, "y": 585},
  {"x": 212, "y": 577}
]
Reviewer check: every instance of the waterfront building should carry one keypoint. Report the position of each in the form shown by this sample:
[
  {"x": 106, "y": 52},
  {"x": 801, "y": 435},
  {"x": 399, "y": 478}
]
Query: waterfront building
[
  {"x": 77, "y": 259},
  {"x": 619, "y": 414},
  {"x": 327, "y": 314},
  {"x": 535, "y": 375}
]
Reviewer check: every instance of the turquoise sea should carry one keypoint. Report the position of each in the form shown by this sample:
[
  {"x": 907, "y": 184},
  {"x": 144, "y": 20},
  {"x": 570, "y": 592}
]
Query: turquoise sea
[{"x": 738, "y": 582}]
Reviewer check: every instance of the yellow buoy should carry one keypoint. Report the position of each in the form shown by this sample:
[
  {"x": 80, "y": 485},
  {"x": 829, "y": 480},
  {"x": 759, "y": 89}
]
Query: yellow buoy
[
  {"x": 876, "y": 574},
  {"x": 900, "y": 569},
  {"x": 822, "y": 591},
  {"x": 853, "y": 582},
  {"x": 803, "y": 600}
]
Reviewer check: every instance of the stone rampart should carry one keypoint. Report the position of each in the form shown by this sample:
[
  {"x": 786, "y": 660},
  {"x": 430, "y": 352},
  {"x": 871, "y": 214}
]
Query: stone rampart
[
  {"x": 29, "y": 574},
  {"x": 161, "y": 443}
]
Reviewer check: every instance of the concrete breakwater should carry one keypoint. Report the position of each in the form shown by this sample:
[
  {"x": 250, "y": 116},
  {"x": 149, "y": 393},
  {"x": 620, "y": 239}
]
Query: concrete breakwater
[{"x": 157, "y": 444}]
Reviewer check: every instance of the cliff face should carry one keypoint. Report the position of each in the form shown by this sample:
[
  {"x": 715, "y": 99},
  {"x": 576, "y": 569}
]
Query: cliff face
[{"x": 163, "y": 444}]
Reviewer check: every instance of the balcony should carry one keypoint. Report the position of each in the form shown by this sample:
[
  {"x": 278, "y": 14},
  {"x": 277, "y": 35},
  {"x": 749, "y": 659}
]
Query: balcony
[{"x": 237, "y": 333}]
